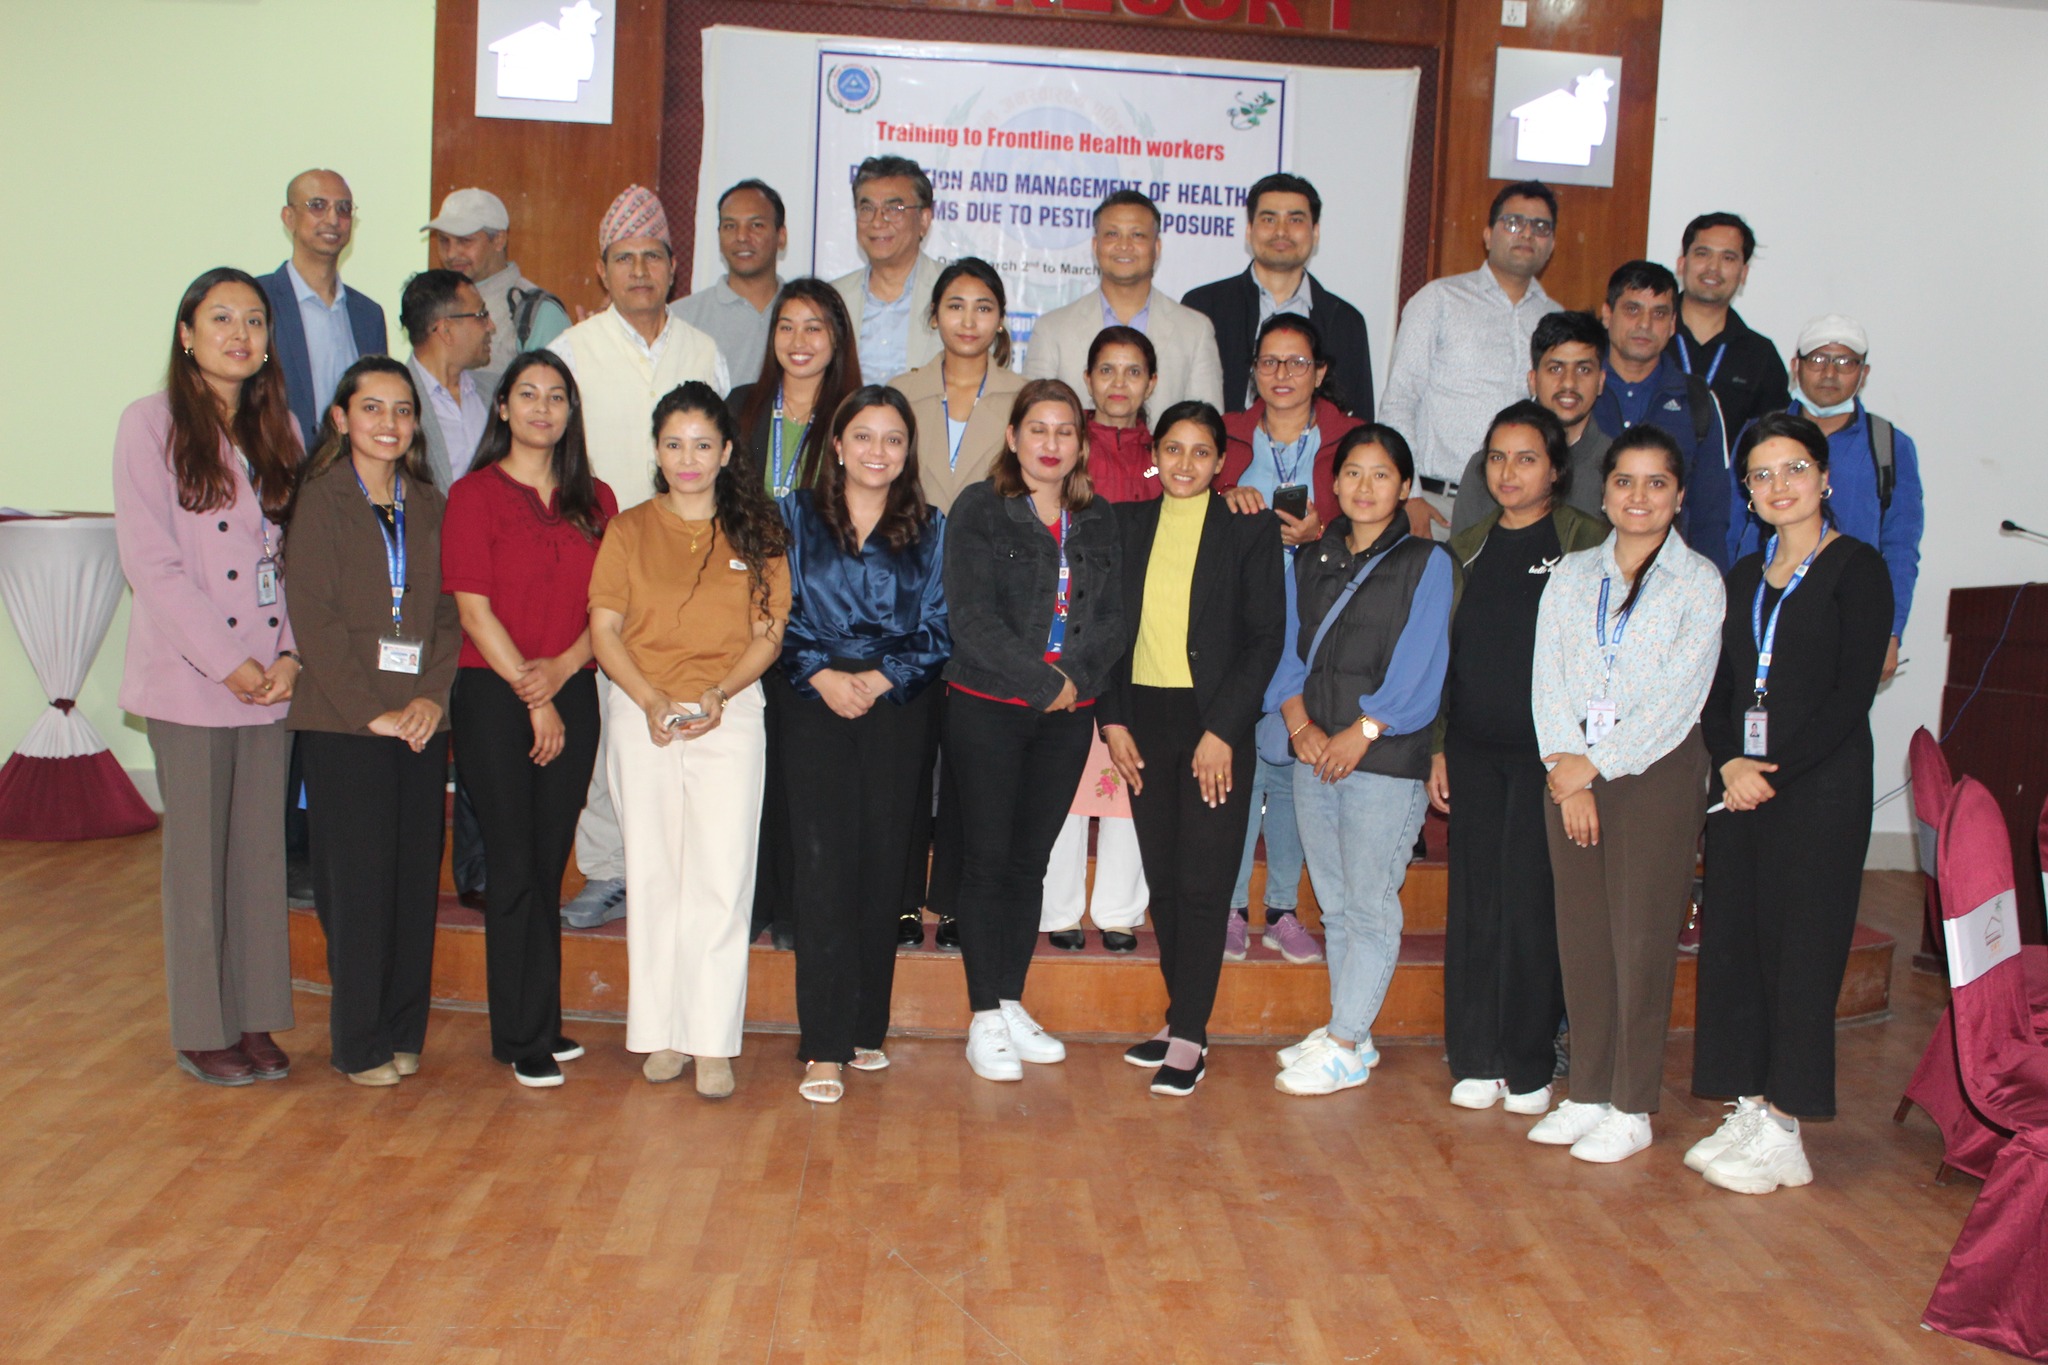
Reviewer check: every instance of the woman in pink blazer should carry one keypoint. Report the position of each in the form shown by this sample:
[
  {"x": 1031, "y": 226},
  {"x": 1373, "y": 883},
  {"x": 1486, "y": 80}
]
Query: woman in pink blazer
[{"x": 202, "y": 472}]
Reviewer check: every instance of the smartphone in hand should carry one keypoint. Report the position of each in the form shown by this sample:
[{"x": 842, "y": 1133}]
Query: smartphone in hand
[{"x": 1291, "y": 498}]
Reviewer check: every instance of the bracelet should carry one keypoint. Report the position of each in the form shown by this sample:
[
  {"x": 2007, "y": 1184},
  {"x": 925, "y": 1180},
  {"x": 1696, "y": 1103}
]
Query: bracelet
[
  {"x": 723, "y": 697},
  {"x": 1299, "y": 728},
  {"x": 293, "y": 655}
]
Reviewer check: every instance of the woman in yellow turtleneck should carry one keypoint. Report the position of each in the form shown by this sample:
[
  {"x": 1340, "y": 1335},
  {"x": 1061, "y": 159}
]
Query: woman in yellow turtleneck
[{"x": 1203, "y": 588}]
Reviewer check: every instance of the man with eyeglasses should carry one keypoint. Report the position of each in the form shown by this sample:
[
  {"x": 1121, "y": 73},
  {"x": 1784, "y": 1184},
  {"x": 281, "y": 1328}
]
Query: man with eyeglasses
[
  {"x": 1284, "y": 216},
  {"x": 1738, "y": 363},
  {"x": 887, "y": 298},
  {"x": 1126, "y": 243},
  {"x": 471, "y": 236},
  {"x": 1643, "y": 384},
  {"x": 318, "y": 327},
  {"x": 1568, "y": 369},
  {"x": 451, "y": 331},
  {"x": 1462, "y": 347},
  {"x": 1873, "y": 467}
]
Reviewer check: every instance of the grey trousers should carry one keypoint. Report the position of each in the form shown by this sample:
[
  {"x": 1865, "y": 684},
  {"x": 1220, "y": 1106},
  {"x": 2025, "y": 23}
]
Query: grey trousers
[
  {"x": 1620, "y": 905},
  {"x": 227, "y": 950}
]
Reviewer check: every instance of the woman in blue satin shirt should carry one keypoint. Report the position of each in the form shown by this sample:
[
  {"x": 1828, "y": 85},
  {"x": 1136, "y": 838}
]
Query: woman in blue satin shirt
[{"x": 866, "y": 639}]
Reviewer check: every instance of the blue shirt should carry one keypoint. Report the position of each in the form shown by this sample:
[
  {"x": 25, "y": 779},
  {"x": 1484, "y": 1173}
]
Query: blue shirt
[
  {"x": 1142, "y": 321},
  {"x": 1664, "y": 399},
  {"x": 1264, "y": 472},
  {"x": 330, "y": 341},
  {"x": 1852, "y": 473},
  {"x": 884, "y": 335},
  {"x": 879, "y": 609}
]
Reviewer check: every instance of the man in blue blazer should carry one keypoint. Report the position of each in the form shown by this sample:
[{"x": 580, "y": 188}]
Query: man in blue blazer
[{"x": 317, "y": 326}]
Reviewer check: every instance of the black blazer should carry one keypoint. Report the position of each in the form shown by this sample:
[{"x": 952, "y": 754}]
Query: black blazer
[
  {"x": 1232, "y": 305},
  {"x": 1237, "y": 614},
  {"x": 758, "y": 441}
]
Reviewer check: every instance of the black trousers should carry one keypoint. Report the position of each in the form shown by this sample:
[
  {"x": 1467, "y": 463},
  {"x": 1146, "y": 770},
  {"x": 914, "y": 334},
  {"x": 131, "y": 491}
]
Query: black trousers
[
  {"x": 851, "y": 786},
  {"x": 467, "y": 836},
  {"x": 527, "y": 817},
  {"x": 1191, "y": 850},
  {"x": 1015, "y": 770},
  {"x": 931, "y": 874},
  {"x": 1503, "y": 990},
  {"x": 376, "y": 811},
  {"x": 772, "y": 854},
  {"x": 1783, "y": 882}
]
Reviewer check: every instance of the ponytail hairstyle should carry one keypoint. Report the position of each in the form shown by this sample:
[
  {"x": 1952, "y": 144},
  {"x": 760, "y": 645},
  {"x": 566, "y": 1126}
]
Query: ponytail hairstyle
[
  {"x": 1644, "y": 437},
  {"x": 333, "y": 445},
  {"x": 999, "y": 351},
  {"x": 1532, "y": 414},
  {"x": 262, "y": 429},
  {"x": 1318, "y": 358},
  {"x": 1791, "y": 426},
  {"x": 575, "y": 485},
  {"x": 905, "y": 514},
  {"x": 1201, "y": 414},
  {"x": 740, "y": 505}
]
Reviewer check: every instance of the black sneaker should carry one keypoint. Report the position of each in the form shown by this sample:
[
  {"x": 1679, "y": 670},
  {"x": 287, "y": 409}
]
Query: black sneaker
[
  {"x": 1067, "y": 940},
  {"x": 910, "y": 930},
  {"x": 1149, "y": 1054},
  {"x": 1172, "y": 1080},
  {"x": 948, "y": 936},
  {"x": 1118, "y": 941},
  {"x": 567, "y": 1049},
  {"x": 538, "y": 1072}
]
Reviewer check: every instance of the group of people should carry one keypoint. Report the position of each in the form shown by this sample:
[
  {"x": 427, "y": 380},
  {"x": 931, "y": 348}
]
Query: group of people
[{"x": 821, "y": 650}]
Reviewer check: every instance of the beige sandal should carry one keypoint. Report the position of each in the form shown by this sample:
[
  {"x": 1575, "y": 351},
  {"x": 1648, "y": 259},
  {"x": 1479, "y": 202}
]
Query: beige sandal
[
  {"x": 823, "y": 1089},
  {"x": 869, "y": 1059}
]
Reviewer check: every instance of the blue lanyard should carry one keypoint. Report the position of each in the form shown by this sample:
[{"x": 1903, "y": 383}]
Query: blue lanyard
[
  {"x": 1600, "y": 627},
  {"x": 1056, "y": 638},
  {"x": 778, "y": 475},
  {"x": 249, "y": 468},
  {"x": 394, "y": 544},
  {"x": 1685, "y": 359},
  {"x": 1284, "y": 474},
  {"x": 945, "y": 410},
  {"x": 1766, "y": 636}
]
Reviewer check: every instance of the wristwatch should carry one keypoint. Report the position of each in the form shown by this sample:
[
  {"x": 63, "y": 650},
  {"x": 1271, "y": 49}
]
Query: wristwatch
[{"x": 1370, "y": 728}]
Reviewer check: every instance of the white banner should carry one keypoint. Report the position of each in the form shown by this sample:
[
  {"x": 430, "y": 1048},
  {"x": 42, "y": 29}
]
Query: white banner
[{"x": 1021, "y": 145}]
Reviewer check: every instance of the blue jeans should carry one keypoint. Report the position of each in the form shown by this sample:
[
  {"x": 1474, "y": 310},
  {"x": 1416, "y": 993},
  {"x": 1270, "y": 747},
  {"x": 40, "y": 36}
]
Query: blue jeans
[
  {"x": 1273, "y": 794},
  {"x": 1359, "y": 835}
]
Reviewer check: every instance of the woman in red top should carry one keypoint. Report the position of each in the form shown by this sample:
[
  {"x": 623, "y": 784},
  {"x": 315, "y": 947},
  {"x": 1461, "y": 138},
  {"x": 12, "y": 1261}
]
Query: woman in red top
[
  {"x": 517, "y": 544},
  {"x": 1123, "y": 370},
  {"x": 1289, "y": 434}
]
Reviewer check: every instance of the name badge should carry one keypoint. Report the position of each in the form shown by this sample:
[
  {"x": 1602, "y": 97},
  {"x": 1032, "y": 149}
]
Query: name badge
[
  {"x": 398, "y": 656},
  {"x": 266, "y": 582},
  {"x": 739, "y": 564},
  {"x": 1756, "y": 732},
  {"x": 1600, "y": 717}
]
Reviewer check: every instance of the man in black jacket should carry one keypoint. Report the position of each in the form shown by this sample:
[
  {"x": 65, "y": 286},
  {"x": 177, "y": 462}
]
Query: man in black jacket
[
  {"x": 1713, "y": 343},
  {"x": 1285, "y": 215}
]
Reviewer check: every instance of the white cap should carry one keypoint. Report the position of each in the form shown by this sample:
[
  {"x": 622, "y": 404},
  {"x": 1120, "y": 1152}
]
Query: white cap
[
  {"x": 466, "y": 211},
  {"x": 1834, "y": 329}
]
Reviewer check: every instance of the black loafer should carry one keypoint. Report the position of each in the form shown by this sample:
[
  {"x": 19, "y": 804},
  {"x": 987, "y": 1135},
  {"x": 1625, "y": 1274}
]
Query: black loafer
[
  {"x": 1067, "y": 940},
  {"x": 566, "y": 1050},
  {"x": 1149, "y": 1054},
  {"x": 1172, "y": 1080},
  {"x": 910, "y": 930},
  {"x": 1117, "y": 941},
  {"x": 541, "y": 1072},
  {"x": 948, "y": 935}
]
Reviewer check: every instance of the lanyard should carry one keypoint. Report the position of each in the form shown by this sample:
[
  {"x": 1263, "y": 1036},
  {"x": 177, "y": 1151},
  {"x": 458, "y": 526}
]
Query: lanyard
[
  {"x": 778, "y": 474},
  {"x": 394, "y": 545},
  {"x": 1600, "y": 627},
  {"x": 945, "y": 410},
  {"x": 1767, "y": 635},
  {"x": 1056, "y": 638},
  {"x": 249, "y": 468},
  {"x": 1685, "y": 358},
  {"x": 1284, "y": 474}
]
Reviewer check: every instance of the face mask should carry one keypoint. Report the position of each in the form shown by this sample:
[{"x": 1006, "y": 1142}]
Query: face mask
[{"x": 1813, "y": 409}]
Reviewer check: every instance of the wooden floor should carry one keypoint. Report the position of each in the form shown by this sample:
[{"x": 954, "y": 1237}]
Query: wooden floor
[{"x": 929, "y": 1217}]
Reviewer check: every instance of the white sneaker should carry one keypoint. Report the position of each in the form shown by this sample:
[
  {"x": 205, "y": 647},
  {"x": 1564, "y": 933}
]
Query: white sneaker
[
  {"x": 1618, "y": 1137},
  {"x": 1324, "y": 1070},
  {"x": 1762, "y": 1159},
  {"x": 1727, "y": 1135},
  {"x": 989, "y": 1051},
  {"x": 1030, "y": 1042},
  {"x": 1569, "y": 1122},
  {"x": 1472, "y": 1094},
  {"x": 1295, "y": 1052},
  {"x": 1529, "y": 1102}
]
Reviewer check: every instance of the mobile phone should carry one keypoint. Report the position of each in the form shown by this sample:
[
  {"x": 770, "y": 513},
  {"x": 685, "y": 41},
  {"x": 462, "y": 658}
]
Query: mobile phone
[
  {"x": 1291, "y": 498},
  {"x": 682, "y": 715}
]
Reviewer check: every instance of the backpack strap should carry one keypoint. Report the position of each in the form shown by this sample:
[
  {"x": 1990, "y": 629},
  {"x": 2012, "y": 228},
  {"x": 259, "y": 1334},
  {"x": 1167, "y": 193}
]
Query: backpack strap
[
  {"x": 1881, "y": 459},
  {"x": 1700, "y": 399},
  {"x": 525, "y": 308}
]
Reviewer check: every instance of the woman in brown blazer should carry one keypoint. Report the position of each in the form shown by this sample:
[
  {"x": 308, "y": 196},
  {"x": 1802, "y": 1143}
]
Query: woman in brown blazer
[
  {"x": 363, "y": 557},
  {"x": 962, "y": 398}
]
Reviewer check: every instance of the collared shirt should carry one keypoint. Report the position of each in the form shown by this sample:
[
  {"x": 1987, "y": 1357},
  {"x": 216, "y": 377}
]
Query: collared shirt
[
  {"x": 1461, "y": 355},
  {"x": 884, "y": 333},
  {"x": 1663, "y": 664},
  {"x": 721, "y": 377},
  {"x": 1142, "y": 320},
  {"x": 739, "y": 328},
  {"x": 330, "y": 342},
  {"x": 463, "y": 415},
  {"x": 1264, "y": 472},
  {"x": 1301, "y": 305}
]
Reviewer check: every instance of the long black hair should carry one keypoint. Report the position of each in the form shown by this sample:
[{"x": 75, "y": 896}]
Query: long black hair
[
  {"x": 841, "y": 377},
  {"x": 1644, "y": 437},
  {"x": 982, "y": 271},
  {"x": 740, "y": 505},
  {"x": 905, "y": 514},
  {"x": 575, "y": 486},
  {"x": 333, "y": 444}
]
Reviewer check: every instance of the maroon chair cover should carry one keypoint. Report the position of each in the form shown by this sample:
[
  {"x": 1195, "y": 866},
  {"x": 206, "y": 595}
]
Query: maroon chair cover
[
  {"x": 1932, "y": 784},
  {"x": 1992, "y": 1292}
]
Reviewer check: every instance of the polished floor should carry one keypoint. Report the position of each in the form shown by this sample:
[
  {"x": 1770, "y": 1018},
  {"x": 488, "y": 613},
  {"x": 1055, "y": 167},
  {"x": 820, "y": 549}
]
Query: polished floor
[{"x": 929, "y": 1217}]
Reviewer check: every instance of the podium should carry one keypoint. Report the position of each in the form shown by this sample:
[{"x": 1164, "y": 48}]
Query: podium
[{"x": 2002, "y": 736}]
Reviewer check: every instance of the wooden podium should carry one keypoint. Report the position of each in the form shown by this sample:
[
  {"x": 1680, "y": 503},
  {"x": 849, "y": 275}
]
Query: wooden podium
[{"x": 2002, "y": 737}]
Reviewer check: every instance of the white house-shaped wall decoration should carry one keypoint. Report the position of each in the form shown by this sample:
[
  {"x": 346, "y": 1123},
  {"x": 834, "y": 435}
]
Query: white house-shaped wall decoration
[
  {"x": 1563, "y": 127},
  {"x": 548, "y": 61}
]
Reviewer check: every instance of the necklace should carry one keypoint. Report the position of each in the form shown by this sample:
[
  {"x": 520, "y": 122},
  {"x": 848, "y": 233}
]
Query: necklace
[{"x": 697, "y": 532}]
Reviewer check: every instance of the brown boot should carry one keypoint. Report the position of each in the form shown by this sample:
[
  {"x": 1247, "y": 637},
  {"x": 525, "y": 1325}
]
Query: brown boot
[{"x": 218, "y": 1066}]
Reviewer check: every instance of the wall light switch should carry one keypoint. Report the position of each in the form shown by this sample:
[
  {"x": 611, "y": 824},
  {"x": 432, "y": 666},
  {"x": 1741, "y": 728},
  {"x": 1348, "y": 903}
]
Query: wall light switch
[{"x": 1514, "y": 13}]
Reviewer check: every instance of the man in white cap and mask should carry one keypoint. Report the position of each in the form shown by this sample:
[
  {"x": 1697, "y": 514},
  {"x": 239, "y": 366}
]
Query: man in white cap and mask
[
  {"x": 1873, "y": 467},
  {"x": 470, "y": 237},
  {"x": 624, "y": 360}
]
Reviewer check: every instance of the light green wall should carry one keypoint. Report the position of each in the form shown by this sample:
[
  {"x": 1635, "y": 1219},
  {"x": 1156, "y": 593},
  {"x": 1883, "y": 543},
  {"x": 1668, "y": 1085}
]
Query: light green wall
[{"x": 147, "y": 141}]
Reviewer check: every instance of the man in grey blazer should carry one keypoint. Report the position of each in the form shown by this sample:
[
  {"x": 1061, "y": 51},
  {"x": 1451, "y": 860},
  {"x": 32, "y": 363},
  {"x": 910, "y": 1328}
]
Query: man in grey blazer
[
  {"x": 889, "y": 297},
  {"x": 445, "y": 319},
  {"x": 1126, "y": 258}
]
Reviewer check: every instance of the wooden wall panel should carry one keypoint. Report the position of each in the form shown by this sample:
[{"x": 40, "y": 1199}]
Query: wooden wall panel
[
  {"x": 556, "y": 179},
  {"x": 1598, "y": 229}
]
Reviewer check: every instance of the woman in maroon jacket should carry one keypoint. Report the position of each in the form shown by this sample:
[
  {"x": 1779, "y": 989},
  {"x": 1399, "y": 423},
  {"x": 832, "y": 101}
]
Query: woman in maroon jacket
[
  {"x": 1123, "y": 370},
  {"x": 1289, "y": 435}
]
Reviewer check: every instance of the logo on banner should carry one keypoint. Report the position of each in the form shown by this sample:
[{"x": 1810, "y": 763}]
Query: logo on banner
[
  {"x": 854, "y": 87},
  {"x": 1247, "y": 113}
]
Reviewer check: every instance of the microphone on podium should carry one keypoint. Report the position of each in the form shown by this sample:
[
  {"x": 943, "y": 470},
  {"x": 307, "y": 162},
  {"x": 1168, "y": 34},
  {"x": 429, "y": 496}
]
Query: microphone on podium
[{"x": 2013, "y": 528}]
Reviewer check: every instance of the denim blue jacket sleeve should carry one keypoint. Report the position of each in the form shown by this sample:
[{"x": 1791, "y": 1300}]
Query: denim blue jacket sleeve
[
  {"x": 1408, "y": 697},
  {"x": 1292, "y": 674}
]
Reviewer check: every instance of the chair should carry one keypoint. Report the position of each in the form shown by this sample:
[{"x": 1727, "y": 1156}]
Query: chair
[
  {"x": 1992, "y": 1291},
  {"x": 1932, "y": 782}
]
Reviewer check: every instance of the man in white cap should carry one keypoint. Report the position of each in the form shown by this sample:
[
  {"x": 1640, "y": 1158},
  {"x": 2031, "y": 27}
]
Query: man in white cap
[
  {"x": 1873, "y": 467},
  {"x": 470, "y": 238},
  {"x": 734, "y": 312},
  {"x": 624, "y": 360}
]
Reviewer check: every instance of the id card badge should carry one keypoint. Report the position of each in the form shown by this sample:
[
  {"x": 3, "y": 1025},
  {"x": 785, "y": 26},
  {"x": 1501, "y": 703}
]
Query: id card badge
[
  {"x": 1600, "y": 717},
  {"x": 266, "y": 582},
  {"x": 398, "y": 656},
  {"x": 1756, "y": 732}
]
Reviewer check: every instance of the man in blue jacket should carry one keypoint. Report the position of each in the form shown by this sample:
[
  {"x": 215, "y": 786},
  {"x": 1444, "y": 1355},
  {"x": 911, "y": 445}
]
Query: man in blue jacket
[
  {"x": 1645, "y": 385},
  {"x": 318, "y": 327},
  {"x": 1873, "y": 468}
]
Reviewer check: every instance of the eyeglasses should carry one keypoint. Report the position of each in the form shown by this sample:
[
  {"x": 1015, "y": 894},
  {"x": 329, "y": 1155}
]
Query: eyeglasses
[
  {"x": 1290, "y": 365},
  {"x": 1794, "y": 472},
  {"x": 1516, "y": 224},
  {"x": 343, "y": 208},
  {"x": 452, "y": 317},
  {"x": 1844, "y": 363},
  {"x": 892, "y": 211}
]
